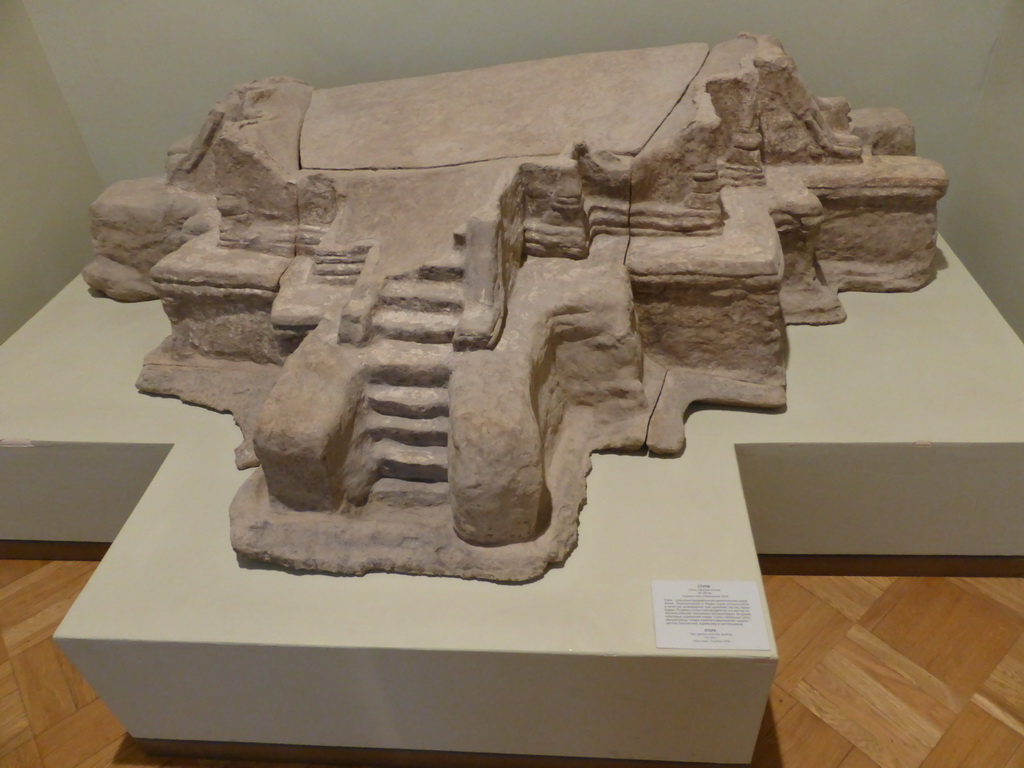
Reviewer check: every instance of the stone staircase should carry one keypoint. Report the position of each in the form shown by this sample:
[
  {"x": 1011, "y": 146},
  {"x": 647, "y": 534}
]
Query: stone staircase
[
  {"x": 405, "y": 411},
  {"x": 343, "y": 265}
]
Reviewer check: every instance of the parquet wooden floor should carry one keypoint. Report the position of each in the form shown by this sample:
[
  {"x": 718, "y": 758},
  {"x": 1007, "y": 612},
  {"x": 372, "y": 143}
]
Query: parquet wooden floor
[{"x": 873, "y": 673}]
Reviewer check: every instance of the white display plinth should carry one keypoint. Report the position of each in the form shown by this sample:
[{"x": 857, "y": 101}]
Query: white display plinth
[
  {"x": 903, "y": 433},
  {"x": 185, "y": 643}
]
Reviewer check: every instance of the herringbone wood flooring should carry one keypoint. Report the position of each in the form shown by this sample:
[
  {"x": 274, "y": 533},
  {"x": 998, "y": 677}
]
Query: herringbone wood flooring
[{"x": 874, "y": 672}]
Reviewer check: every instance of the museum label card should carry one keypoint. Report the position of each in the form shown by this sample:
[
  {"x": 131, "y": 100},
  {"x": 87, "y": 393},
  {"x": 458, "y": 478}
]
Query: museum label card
[{"x": 726, "y": 615}]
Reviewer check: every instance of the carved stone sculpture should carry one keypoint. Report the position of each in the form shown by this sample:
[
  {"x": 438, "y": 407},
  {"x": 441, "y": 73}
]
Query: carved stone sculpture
[{"x": 427, "y": 301}]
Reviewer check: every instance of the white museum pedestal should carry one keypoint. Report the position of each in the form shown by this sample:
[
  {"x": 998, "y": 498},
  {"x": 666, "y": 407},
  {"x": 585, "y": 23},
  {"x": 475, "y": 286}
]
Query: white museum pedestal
[{"x": 185, "y": 643}]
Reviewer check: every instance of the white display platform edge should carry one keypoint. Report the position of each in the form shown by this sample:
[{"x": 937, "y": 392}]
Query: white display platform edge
[
  {"x": 183, "y": 643},
  {"x": 90, "y": 489}
]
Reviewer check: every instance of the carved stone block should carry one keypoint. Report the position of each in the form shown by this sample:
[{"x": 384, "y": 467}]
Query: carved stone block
[{"x": 427, "y": 301}]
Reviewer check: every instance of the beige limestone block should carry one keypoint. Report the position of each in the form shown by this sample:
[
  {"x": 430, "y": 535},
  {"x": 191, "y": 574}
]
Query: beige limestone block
[
  {"x": 879, "y": 227},
  {"x": 219, "y": 301},
  {"x": 474, "y": 280},
  {"x": 134, "y": 225},
  {"x": 884, "y": 130},
  {"x": 497, "y": 470},
  {"x": 712, "y": 303},
  {"x": 118, "y": 281},
  {"x": 612, "y": 101},
  {"x": 413, "y": 215},
  {"x": 302, "y": 434},
  {"x": 797, "y": 214}
]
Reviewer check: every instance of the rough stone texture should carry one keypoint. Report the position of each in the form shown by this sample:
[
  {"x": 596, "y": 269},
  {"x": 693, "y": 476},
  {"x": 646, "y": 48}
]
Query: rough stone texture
[
  {"x": 610, "y": 100},
  {"x": 237, "y": 387},
  {"x": 256, "y": 160},
  {"x": 711, "y": 303},
  {"x": 219, "y": 301},
  {"x": 428, "y": 301},
  {"x": 569, "y": 354},
  {"x": 306, "y": 424},
  {"x": 794, "y": 125},
  {"x": 797, "y": 214},
  {"x": 135, "y": 224},
  {"x": 884, "y": 131},
  {"x": 879, "y": 227},
  {"x": 497, "y": 443}
]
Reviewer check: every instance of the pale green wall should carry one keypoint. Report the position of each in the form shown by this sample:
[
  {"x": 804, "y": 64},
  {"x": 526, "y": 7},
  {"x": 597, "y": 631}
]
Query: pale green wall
[
  {"x": 985, "y": 220},
  {"x": 46, "y": 177}
]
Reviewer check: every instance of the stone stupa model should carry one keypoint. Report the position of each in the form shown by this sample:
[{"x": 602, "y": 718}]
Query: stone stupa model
[{"x": 427, "y": 301}]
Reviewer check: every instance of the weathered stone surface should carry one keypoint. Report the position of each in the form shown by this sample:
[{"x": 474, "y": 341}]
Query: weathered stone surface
[
  {"x": 237, "y": 387},
  {"x": 135, "y": 224},
  {"x": 613, "y": 101},
  {"x": 712, "y": 303},
  {"x": 118, "y": 281},
  {"x": 682, "y": 388},
  {"x": 675, "y": 178},
  {"x": 256, "y": 159},
  {"x": 794, "y": 126},
  {"x": 302, "y": 432},
  {"x": 570, "y": 343},
  {"x": 498, "y": 456},
  {"x": 428, "y": 301},
  {"x": 879, "y": 227},
  {"x": 797, "y": 215},
  {"x": 219, "y": 301},
  {"x": 884, "y": 131}
]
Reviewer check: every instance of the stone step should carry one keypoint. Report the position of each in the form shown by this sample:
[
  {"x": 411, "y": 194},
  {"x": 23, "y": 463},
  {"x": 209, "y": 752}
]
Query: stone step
[
  {"x": 407, "y": 363},
  {"x": 409, "y": 493},
  {"x": 415, "y": 325},
  {"x": 427, "y": 295},
  {"x": 408, "y": 402},
  {"x": 337, "y": 269},
  {"x": 412, "y": 462},
  {"x": 408, "y": 431},
  {"x": 340, "y": 257},
  {"x": 446, "y": 269}
]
